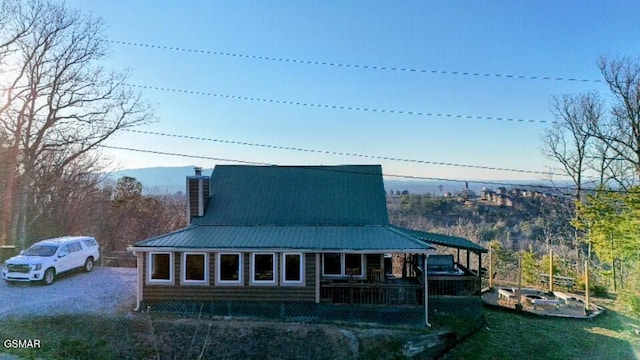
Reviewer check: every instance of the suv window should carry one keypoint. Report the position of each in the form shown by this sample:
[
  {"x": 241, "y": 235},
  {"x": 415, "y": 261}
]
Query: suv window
[
  {"x": 41, "y": 250},
  {"x": 73, "y": 247},
  {"x": 90, "y": 242}
]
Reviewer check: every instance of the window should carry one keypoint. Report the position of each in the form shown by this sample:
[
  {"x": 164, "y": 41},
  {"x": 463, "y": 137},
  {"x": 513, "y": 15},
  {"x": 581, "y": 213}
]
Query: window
[
  {"x": 229, "y": 269},
  {"x": 292, "y": 268},
  {"x": 41, "y": 250},
  {"x": 90, "y": 242},
  {"x": 338, "y": 264},
  {"x": 195, "y": 268},
  {"x": 64, "y": 251},
  {"x": 353, "y": 264},
  {"x": 73, "y": 247},
  {"x": 332, "y": 264},
  {"x": 160, "y": 268},
  {"x": 263, "y": 268}
]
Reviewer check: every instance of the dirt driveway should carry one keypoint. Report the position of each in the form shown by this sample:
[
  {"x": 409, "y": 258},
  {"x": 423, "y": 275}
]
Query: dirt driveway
[{"x": 102, "y": 291}]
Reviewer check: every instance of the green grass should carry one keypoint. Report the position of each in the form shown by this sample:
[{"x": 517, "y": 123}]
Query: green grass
[
  {"x": 74, "y": 337},
  {"x": 504, "y": 336},
  {"x": 513, "y": 336}
]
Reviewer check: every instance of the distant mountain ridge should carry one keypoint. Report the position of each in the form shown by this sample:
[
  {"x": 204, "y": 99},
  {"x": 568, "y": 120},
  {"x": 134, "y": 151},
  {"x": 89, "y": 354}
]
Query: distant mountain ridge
[
  {"x": 160, "y": 179},
  {"x": 172, "y": 180}
]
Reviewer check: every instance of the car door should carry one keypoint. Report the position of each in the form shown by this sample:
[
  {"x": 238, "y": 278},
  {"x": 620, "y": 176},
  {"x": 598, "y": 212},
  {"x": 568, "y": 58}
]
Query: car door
[
  {"x": 63, "y": 259},
  {"x": 75, "y": 255}
]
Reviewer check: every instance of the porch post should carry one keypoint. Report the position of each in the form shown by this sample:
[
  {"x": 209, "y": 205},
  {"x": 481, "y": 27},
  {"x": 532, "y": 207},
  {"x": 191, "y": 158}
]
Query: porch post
[
  {"x": 468, "y": 262},
  {"x": 490, "y": 267},
  {"x": 480, "y": 271},
  {"x": 140, "y": 279},
  {"x": 404, "y": 266},
  {"x": 317, "y": 278},
  {"x": 426, "y": 294}
]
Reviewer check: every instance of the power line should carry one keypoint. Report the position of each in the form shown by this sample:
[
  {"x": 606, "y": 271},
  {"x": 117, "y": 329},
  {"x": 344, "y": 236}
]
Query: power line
[
  {"x": 182, "y": 155},
  {"x": 328, "y": 152},
  {"x": 340, "y": 107},
  {"x": 412, "y": 177},
  {"x": 355, "y": 66}
]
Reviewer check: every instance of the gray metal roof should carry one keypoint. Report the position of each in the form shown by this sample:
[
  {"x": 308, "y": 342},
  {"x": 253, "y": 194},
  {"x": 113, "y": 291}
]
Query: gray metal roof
[
  {"x": 439, "y": 239},
  {"x": 296, "y": 195},
  {"x": 299, "y": 238}
]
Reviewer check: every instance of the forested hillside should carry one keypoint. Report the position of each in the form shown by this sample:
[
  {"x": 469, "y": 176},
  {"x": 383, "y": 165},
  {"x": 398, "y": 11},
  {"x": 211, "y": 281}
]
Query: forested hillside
[{"x": 539, "y": 221}]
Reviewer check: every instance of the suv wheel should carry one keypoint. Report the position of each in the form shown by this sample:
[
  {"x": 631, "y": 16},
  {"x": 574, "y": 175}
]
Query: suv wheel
[
  {"x": 88, "y": 265},
  {"x": 49, "y": 276}
]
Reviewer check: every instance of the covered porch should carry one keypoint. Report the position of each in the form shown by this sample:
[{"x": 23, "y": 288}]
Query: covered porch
[{"x": 398, "y": 278}]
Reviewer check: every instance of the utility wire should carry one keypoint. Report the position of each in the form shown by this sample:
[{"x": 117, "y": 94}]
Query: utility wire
[
  {"x": 182, "y": 155},
  {"x": 355, "y": 66},
  {"x": 279, "y": 147},
  {"x": 339, "y": 107},
  {"x": 412, "y": 177}
]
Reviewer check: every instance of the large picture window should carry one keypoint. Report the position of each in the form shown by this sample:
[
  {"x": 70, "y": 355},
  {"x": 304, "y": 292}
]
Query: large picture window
[
  {"x": 263, "y": 268},
  {"x": 292, "y": 269},
  {"x": 160, "y": 268},
  {"x": 229, "y": 269},
  {"x": 195, "y": 268},
  {"x": 353, "y": 264},
  {"x": 332, "y": 264},
  {"x": 340, "y": 264}
]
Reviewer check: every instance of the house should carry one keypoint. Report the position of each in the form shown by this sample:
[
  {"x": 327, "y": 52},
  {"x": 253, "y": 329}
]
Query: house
[{"x": 288, "y": 240}]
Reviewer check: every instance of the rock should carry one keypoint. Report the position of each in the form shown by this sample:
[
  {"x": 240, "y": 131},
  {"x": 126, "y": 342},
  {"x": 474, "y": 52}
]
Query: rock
[
  {"x": 424, "y": 346},
  {"x": 354, "y": 345}
]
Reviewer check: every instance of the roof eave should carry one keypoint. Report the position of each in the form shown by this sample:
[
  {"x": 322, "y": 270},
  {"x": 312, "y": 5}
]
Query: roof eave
[{"x": 280, "y": 249}]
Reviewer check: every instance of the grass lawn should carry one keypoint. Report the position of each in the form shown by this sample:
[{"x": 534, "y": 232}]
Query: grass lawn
[
  {"x": 505, "y": 336},
  {"x": 74, "y": 337},
  {"x": 512, "y": 336}
]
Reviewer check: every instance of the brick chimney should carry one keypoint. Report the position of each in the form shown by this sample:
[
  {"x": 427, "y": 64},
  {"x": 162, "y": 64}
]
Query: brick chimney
[{"x": 197, "y": 194}]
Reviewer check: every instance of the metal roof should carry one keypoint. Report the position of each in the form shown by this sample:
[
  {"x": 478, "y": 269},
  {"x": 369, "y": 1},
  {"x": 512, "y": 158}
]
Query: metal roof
[
  {"x": 296, "y": 195},
  {"x": 444, "y": 240},
  {"x": 300, "y": 208},
  {"x": 299, "y": 238}
]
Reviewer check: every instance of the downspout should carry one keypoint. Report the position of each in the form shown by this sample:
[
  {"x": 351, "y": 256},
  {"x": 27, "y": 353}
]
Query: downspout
[{"x": 426, "y": 293}]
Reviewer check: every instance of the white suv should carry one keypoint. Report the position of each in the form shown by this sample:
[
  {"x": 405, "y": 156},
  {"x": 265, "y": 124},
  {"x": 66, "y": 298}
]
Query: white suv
[{"x": 48, "y": 258}]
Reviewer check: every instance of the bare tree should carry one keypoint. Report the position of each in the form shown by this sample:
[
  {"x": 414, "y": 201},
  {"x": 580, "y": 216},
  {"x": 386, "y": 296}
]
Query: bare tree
[
  {"x": 74, "y": 202},
  {"x": 567, "y": 142},
  {"x": 621, "y": 130},
  {"x": 58, "y": 104}
]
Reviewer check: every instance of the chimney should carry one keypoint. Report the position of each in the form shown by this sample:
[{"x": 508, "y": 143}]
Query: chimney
[{"x": 197, "y": 194}]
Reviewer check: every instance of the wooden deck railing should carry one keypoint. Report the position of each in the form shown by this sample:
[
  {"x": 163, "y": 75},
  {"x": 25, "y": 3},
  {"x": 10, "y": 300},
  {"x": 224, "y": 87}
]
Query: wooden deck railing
[
  {"x": 372, "y": 294},
  {"x": 454, "y": 285},
  {"x": 398, "y": 294}
]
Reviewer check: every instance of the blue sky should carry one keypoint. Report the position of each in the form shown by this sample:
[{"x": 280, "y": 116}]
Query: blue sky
[{"x": 541, "y": 38}]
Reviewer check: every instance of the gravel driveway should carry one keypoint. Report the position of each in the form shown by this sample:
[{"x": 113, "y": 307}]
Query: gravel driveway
[{"x": 105, "y": 290}]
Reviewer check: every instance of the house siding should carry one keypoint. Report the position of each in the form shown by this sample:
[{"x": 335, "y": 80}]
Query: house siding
[{"x": 244, "y": 292}]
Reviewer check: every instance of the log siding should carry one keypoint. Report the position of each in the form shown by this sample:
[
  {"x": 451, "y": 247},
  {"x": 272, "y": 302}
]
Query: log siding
[{"x": 242, "y": 292}]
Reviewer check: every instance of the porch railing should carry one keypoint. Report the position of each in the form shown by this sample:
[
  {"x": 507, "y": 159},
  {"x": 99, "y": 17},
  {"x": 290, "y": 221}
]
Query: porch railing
[
  {"x": 372, "y": 294},
  {"x": 454, "y": 285},
  {"x": 398, "y": 294}
]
